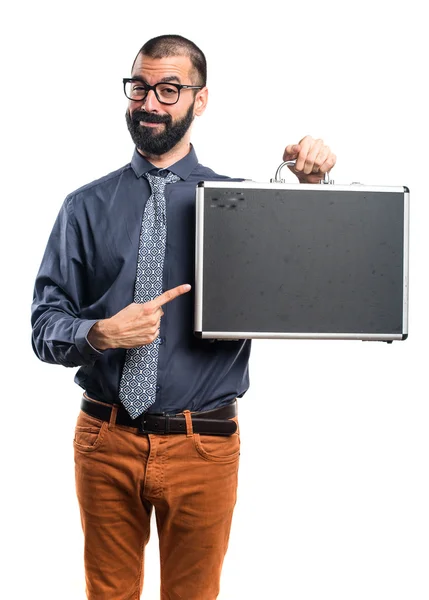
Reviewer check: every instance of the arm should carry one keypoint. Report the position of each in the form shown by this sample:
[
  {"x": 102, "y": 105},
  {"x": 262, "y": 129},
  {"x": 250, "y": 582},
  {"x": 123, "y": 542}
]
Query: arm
[{"x": 59, "y": 333}]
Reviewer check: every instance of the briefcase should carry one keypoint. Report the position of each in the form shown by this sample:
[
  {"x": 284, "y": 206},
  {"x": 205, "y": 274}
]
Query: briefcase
[{"x": 279, "y": 260}]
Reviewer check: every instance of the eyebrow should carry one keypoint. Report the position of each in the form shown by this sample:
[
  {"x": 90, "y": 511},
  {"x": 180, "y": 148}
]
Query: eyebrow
[{"x": 163, "y": 80}]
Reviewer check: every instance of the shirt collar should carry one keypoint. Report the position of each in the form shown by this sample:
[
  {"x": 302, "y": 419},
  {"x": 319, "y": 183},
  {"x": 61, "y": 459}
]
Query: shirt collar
[{"x": 183, "y": 167}]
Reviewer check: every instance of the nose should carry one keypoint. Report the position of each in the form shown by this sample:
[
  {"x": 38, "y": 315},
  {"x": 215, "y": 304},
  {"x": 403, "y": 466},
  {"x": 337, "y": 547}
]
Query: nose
[{"x": 150, "y": 103}]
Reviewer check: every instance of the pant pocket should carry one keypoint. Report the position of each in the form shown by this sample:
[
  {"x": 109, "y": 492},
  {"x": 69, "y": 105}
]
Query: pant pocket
[
  {"x": 218, "y": 448},
  {"x": 89, "y": 432}
]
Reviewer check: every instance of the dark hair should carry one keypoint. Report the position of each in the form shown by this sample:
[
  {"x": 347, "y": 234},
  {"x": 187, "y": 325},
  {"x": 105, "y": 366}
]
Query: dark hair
[{"x": 176, "y": 45}]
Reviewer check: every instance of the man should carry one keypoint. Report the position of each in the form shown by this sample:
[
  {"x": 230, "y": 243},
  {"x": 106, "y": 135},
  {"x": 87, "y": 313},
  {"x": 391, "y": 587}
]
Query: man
[{"x": 158, "y": 425}]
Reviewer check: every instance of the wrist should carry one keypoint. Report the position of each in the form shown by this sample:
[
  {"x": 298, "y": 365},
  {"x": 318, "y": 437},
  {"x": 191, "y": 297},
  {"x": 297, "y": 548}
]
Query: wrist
[{"x": 99, "y": 336}]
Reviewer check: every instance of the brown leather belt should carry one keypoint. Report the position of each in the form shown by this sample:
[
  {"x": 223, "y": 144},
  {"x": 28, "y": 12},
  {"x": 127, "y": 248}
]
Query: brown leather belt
[{"x": 209, "y": 422}]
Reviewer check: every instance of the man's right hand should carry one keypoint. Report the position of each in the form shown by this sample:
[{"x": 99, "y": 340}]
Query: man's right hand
[{"x": 135, "y": 325}]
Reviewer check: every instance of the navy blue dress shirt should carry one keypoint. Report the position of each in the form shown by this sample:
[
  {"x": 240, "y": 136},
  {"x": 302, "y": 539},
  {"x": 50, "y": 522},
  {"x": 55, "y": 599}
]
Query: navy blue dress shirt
[{"x": 88, "y": 273}]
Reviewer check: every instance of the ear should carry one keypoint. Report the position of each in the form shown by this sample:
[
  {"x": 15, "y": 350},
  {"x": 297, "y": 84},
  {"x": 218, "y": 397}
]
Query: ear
[{"x": 201, "y": 100}]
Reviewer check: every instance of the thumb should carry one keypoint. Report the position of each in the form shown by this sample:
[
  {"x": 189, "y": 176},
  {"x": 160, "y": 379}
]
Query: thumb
[{"x": 291, "y": 152}]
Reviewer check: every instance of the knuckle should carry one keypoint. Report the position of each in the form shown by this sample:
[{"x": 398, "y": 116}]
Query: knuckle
[
  {"x": 324, "y": 150},
  {"x": 146, "y": 308}
]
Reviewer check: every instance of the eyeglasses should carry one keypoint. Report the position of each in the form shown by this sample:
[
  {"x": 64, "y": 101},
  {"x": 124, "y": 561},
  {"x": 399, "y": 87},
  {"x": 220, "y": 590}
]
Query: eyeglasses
[{"x": 165, "y": 92}]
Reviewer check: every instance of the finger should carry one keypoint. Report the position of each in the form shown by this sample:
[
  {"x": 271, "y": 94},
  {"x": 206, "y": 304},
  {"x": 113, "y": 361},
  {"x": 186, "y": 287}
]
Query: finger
[
  {"x": 305, "y": 144},
  {"x": 153, "y": 327},
  {"x": 170, "y": 295},
  {"x": 151, "y": 310},
  {"x": 291, "y": 152},
  {"x": 320, "y": 158},
  {"x": 328, "y": 164},
  {"x": 310, "y": 160}
]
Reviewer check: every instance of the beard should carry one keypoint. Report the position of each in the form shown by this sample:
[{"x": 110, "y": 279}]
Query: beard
[{"x": 152, "y": 143}]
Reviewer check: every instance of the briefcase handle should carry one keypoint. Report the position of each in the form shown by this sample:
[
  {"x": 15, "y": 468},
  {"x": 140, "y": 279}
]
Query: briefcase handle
[{"x": 277, "y": 178}]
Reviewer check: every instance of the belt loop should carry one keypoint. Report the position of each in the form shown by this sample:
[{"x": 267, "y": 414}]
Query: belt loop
[
  {"x": 188, "y": 419},
  {"x": 112, "y": 420}
]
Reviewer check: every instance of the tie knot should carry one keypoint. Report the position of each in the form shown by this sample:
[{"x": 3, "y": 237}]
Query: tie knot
[{"x": 162, "y": 177}]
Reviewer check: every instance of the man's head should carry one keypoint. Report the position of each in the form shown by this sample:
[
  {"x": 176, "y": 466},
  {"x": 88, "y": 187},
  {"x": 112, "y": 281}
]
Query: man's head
[{"x": 160, "y": 119}]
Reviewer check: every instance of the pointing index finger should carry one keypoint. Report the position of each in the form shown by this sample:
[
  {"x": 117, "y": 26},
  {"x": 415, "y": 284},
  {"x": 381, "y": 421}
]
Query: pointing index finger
[{"x": 170, "y": 295}]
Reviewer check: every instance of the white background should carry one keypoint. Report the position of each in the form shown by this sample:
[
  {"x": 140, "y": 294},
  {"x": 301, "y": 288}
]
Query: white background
[{"x": 333, "y": 495}]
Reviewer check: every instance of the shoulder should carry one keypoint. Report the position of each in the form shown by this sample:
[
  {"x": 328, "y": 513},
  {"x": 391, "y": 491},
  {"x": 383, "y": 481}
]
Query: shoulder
[
  {"x": 98, "y": 192},
  {"x": 201, "y": 173},
  {"x": 101, "y": 185}
]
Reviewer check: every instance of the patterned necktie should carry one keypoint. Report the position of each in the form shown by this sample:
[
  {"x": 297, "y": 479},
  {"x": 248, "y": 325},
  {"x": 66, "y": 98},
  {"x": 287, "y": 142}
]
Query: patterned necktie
[{"x": 137, "y": 388}]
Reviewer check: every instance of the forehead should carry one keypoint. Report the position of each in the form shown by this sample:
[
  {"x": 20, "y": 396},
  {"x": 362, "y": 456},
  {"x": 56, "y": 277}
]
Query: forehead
[{"x": 155, "y": 69}]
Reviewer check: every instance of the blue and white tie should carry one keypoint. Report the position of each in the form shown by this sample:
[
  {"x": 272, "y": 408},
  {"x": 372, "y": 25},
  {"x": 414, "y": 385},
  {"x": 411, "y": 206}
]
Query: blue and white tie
[{"x": 137, "y": 388}]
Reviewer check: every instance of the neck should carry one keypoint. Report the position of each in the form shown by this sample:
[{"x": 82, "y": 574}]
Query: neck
[{"x": 179, "y": 151}]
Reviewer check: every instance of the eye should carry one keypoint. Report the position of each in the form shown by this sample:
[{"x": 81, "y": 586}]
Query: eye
[{"x": 167, "y": 90}]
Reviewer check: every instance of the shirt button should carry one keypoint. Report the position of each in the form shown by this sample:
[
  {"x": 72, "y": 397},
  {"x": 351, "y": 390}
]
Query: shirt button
[
  {"x": 161, "y": 340},
  {"x": 158, "y": 387}
]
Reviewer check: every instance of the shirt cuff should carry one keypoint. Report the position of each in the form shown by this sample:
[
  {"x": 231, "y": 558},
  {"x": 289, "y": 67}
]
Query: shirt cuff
[{"x": 81, "y": 341}]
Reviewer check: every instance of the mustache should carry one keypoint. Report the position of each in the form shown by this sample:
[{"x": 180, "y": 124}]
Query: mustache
[{"x": 141, "y": 115}]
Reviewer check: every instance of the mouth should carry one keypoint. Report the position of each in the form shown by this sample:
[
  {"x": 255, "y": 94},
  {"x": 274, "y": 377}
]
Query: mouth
[{"x": 147, "y": 124}]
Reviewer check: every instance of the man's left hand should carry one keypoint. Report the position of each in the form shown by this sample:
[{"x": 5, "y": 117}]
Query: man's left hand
[{"x": 312, "y": 159}]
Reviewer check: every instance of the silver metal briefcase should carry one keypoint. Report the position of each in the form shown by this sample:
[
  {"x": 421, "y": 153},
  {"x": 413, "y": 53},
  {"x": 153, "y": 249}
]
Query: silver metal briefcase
[{"x": 277, "y": 260}]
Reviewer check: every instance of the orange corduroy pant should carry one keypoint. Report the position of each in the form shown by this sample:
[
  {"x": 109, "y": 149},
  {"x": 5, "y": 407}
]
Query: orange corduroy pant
[{"x": 191, "y": 482}]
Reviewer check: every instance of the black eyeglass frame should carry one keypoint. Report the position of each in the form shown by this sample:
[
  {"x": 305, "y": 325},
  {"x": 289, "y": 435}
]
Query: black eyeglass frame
[{"x": 148, "y": 87}]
